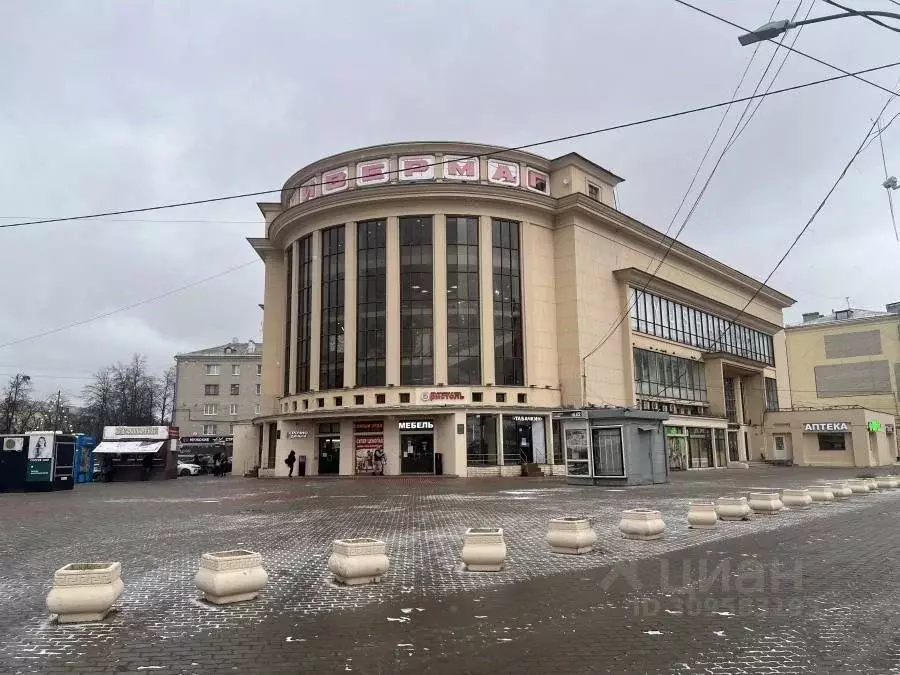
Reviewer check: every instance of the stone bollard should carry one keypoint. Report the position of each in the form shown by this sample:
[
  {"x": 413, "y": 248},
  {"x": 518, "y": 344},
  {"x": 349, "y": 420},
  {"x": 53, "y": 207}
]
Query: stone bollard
[
  {"x": 641, "y": 524},
  {"x": 702, "y": 515},
  {"x": 571, "y": 534},
  {"x": 858, "y": 486},
  {"x": 732, "y": 508},
  {"x": 484, "y": 549},
  {"x": 358, "y": 561},
  {"x": 230, "y": 576},
  {"x": 85, "y": 592},
  {"x": 821, "y": 494},
  {"x": 840, "y": 489},
  {"x": 886, "y": 482},
  {"x": 796, "y": 499},
  {"x": 766, "y": 503}
]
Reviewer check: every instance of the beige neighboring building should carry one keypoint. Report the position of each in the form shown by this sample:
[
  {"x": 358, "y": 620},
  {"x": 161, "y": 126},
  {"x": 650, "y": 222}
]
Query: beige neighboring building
[
  {"x": 447, "y": 312},
  {"x": 844, "y": 366},
  {"x": 215, "y": 389},
  {"x": 837, "y": 437}
]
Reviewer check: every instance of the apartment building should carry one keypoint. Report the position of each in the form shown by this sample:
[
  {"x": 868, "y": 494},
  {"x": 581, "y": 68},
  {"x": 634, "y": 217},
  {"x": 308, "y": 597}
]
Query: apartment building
[{"x": 215, "y": 388}]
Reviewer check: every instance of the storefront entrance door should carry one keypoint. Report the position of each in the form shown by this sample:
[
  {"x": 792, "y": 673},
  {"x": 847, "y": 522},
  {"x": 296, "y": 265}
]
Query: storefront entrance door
[
  {"x": 329, "y": 455},
  {"x": 417, "y": 453}
]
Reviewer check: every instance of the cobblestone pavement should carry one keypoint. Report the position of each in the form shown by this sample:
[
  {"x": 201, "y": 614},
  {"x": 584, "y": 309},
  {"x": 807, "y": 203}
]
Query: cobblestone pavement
[{"x": 811, "y": 591}]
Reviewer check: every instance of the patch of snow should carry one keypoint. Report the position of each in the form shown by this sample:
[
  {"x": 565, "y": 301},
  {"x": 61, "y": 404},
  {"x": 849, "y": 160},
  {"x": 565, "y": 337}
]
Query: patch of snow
[
  {"x": 720, "y": 633},
  {"x": 652, "y": 632}
]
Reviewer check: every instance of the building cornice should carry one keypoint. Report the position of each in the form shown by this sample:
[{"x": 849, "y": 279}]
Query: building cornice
[
  {"x": 840, "y": 323},
  {"x": 396, "y": 194},
  {"x": 581, "y": 203}
]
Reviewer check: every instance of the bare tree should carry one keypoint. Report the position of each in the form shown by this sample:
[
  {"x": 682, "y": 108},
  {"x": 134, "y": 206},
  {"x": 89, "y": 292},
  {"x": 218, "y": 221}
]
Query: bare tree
[
  {"x": 167, "y": 396},
  {"x": 128, "y": 394},
  {"x": 16, "y": 404}
]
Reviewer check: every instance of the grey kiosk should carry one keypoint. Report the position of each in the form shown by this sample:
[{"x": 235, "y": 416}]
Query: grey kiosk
[{"x": 613, "y": 446}]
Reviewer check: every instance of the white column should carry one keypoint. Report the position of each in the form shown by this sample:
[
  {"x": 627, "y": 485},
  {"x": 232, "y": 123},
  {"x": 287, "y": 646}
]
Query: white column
[
  {"x": 294, "y": 296},
  {"x": 392, "y": 305},
  {"x": 315, "y": 323},
  {"x": 350, "y": 271},
  {"x": 486, "y": 298},
  {"x": 439, "y": 309}
]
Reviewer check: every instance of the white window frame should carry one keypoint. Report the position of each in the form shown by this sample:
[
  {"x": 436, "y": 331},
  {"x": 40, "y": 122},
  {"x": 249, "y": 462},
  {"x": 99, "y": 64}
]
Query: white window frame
[
  {"x": 231, "y": 390},
  {"x": 258, "y": 369},
  {"x": 232, "y": 409},
  {"x": 210, "y": 409},
  {"x": 259, "y": 390},
  {"x": 212, "y": 369},
  {"x": 236, "y": 369},
  {"x": 588, "y": 184},
  {"x": 256, "y": 409},
  {"x": 210, "y": 429}
]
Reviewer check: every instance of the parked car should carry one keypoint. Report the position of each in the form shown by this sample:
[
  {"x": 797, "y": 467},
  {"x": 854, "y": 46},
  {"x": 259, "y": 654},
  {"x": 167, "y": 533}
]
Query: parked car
[{"x": 186, "y": 469}]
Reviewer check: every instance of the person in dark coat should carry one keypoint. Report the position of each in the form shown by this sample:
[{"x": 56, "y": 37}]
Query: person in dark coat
[
  {"x": 291, "y": 458},
  {"x": 147, "y": 463}
]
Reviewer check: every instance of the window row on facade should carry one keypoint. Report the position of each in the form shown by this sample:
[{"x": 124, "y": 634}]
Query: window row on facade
[
  {"x": 215, "y": 369},
  {"x": 654, "y": 315},
  {"x": 416, "y": 304}
]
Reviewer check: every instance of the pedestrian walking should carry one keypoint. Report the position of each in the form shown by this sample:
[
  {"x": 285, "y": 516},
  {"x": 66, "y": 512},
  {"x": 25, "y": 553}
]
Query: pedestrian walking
[
  {"x": 379, "y": 462},
  {"x": 289, "y": 460}
]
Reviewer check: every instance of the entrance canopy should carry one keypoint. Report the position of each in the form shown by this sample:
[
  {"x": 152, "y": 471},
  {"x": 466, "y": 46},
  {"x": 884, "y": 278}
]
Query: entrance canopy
[{"x": 128, "y": 447}]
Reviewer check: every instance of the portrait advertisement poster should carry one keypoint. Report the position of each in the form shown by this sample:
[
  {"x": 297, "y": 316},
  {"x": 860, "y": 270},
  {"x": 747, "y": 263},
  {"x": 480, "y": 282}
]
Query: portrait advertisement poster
[
  {"x": 369, "y": 455},
  {"x": 538, "y": 442},
  {"x": 40, "y": 458}
]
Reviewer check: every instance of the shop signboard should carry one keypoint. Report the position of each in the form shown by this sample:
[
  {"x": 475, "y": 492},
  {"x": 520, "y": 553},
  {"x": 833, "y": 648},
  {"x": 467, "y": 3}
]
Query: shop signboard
[
  {"x": 527, "y": 418},
  {"x": 409, "y": 168},
  {"x": 114, "y": 433},
  {"x": 430, "y": 396},
  {"x": 568, "y": 414},
  {"x": 298, "y": 434},
  {"x": 40, "y": 457},
  {"x": 369, "y": 427},
  {"x": 820, "y": 427},
  {"x": 874, "y": 425},
  {"x": 207, "y": 440},
  {"x": 416, "y": 425}
]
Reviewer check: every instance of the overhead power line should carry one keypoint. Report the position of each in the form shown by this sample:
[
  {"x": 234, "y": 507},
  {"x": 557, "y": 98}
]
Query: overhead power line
[
  {"x": 491, "y": 153},
  {"x": 736, "y": 131},
  {"x": 133, "y": 305},
  {"x": 793, "y": 49}
]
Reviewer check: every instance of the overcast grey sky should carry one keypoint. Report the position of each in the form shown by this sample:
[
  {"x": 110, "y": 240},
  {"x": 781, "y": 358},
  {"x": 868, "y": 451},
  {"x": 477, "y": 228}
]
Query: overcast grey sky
[{"x": 114, "y": 105}]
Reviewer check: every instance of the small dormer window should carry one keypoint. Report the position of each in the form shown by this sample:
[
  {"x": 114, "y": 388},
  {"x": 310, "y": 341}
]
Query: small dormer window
[
  {"x": 593, "y": 191},
  {"x": 229, "y": 350},
  {"x": 843, "y": 314}
]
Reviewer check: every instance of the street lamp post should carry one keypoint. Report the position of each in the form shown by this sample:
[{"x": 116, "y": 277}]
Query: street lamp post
[{"x": 776, "y": 28}]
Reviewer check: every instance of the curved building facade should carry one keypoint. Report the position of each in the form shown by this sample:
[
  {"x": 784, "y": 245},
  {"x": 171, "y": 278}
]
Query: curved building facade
[{"x": 429, "y": 306}]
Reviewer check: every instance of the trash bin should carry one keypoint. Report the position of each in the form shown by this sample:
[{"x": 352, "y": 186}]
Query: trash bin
[{"x": 438, "y": 464}]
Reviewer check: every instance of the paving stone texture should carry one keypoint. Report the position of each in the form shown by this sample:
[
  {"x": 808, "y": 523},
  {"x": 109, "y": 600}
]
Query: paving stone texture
[{"x": 803, "y": 591}]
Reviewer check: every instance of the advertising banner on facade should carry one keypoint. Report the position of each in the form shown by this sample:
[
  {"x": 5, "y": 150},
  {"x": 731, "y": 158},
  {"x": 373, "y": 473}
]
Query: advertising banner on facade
[
  {"x": 369, "y": 455},
  {"x": 40, "y": 458}
]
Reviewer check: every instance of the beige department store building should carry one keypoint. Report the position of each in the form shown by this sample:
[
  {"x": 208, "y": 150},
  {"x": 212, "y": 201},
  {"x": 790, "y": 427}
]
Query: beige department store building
[{"x": 444, "y": 303}]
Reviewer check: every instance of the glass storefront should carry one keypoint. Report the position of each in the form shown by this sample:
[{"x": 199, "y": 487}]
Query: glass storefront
[
  {"x": 329, "y": 448},
  {"x": 416, "y": 446},
  {"x": 524, "y": 440},
  {"x": 481, "y": 440},
  {"x": 695, "y": 447}
]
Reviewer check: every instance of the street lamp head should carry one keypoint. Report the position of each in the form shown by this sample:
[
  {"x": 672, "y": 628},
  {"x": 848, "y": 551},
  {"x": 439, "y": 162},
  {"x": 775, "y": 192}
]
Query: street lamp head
[{"x": 765, "y": 32}]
